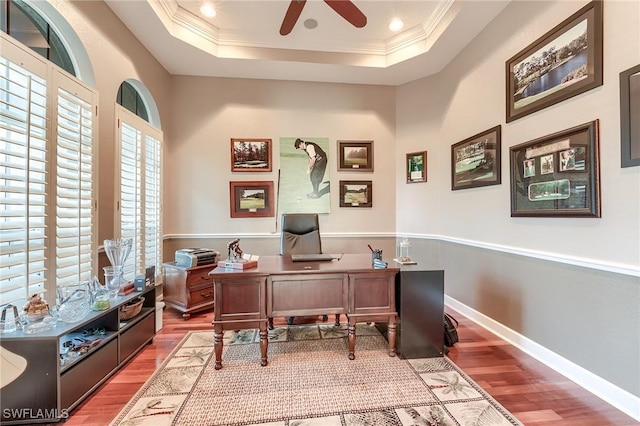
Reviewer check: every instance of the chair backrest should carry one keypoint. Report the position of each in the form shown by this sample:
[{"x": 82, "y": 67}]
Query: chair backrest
[{"x": 300, "y": 234}]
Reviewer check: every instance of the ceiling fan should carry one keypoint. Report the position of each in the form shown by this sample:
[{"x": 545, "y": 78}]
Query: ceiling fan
[{"x": 344, "y": 8}]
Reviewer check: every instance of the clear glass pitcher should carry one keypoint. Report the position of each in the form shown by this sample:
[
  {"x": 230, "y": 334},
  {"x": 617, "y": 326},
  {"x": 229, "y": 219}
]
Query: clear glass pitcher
[{"x": 74, "y": 302}]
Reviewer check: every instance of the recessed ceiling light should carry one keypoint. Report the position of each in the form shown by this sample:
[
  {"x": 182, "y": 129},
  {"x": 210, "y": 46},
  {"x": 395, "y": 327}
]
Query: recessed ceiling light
[
  {"x": 396, "y": 25},
  {"x": 207, "y": 9},
  {"x": 310, "y": 23}
]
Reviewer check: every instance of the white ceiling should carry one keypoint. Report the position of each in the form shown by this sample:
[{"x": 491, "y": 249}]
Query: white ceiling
[{"x": 243, "y": 39}]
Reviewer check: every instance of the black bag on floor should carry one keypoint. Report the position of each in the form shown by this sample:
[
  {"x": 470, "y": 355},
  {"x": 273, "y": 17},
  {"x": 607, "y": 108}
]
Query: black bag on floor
[{"x": 450, "y": 330}]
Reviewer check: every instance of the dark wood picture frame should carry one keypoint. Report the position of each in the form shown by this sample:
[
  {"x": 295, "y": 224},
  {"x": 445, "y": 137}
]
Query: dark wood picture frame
[
  {"x": 355, "y": 156},
  {"x": 251, "y": 199},
  {"x": 416, "y": 167},
  {"x": 630, "y": 107},
  {"x": 476, "y": 161},
  {"x": 251, "y": 155},
  {"x": 561, "y": 55},
  {"x": 356, "y": 193},
  {"x": 558, "y": 174}
]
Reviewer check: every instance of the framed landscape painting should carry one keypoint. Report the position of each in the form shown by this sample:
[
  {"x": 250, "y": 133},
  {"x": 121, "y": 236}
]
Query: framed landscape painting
[
  {"x": 476, "y": 162},
  {"x": 251, "y": 199},
  {"x": 250, "y": 155},
  {"x": 416, "y": 167},
  {"x": 356, "y": 193},
  {"x": 563, "y": 63},
  {"x": 355, "y": 156},
  {"x": 630, "y": 117},
  {"x": 557, "y": 175}
]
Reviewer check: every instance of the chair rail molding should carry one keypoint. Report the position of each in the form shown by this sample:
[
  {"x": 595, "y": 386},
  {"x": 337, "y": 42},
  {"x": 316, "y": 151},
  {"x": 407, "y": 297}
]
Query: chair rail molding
[{"x": 618, "y": 268}]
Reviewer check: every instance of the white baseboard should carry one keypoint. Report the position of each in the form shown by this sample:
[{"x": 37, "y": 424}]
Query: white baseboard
[{"x": 617, "y": 397}]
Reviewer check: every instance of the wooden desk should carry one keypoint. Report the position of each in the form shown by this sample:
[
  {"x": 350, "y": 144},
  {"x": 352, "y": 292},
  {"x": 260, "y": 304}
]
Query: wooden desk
[{"x": 280, "y": 287}]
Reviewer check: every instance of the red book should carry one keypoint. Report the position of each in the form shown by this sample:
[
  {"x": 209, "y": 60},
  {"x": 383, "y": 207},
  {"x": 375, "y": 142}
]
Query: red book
[{"x": 126, "y": 289}]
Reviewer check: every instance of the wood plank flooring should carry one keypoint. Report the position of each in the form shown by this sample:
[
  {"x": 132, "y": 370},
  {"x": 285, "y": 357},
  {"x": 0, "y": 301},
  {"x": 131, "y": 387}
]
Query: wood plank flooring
[{"x": 534, "y": 393}]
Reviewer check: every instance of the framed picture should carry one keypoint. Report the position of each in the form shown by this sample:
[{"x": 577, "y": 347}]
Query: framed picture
[
  {"x": 561, "y": 64},
  {"x": 251, "y": 199},
  {"x": 417, "y": 167},
  {"x": 355, "y": 156},
  {"x": 475, "y": 161},
  {"x": 250, "y": 155},
  {"x": 557, "y": 175},
  {"x": 356, "y": 193},
  {"x": 630, "y": 107}
]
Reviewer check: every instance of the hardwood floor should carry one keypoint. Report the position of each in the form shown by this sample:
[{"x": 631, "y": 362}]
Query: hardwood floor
[{"x": 535, "y": 394}]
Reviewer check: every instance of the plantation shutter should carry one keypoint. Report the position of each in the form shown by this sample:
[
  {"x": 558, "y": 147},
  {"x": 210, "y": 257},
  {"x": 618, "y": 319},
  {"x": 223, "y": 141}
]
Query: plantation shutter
[
  {"x": 47, "y": 126},
  {"x": 23, "y": 175},
  {"x": 152, "y": 208},
  {"x": 75, "y": 153},
  {"x": 140, "y": 192}
]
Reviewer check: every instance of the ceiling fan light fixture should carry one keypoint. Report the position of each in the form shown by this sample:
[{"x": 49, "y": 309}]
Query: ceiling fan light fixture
[
  {"x": 207, "y": 9},
  {"x": 396, "y": 24}
]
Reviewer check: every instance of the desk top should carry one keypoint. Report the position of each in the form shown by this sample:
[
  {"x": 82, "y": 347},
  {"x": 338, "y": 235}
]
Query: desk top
[{"x": 283, "y": 265}]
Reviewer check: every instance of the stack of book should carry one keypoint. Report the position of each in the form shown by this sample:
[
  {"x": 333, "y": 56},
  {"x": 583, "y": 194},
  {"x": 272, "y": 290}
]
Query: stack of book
[
  {"x": 126, "y": 289},
  {"x": 240, "y": 264}
]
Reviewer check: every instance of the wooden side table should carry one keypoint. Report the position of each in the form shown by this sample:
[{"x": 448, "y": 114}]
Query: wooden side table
[{"x": 188, "y": 289}]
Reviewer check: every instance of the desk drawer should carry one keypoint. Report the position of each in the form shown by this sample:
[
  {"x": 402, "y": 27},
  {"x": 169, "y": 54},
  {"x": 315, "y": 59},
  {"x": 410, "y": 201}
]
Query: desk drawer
[
  {"x": 198, "y": 278},
  {"x": 201, "y": 294},
  {"x": 324, "y": 294}
]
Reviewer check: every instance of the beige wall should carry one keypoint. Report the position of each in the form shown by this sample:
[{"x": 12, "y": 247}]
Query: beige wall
[
  {"x": 468, "y": 97},
  {"x": 207, "y": 112},
  {"x": 115, "y": 56}
]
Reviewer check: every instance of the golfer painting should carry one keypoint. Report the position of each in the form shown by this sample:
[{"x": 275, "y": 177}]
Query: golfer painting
[
  {"x": 317, "y": 164},
  {"x": 304, "y": 180}
]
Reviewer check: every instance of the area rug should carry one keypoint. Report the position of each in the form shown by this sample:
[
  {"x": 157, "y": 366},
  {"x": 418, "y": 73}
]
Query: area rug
[{"x": 309, "y": 381}]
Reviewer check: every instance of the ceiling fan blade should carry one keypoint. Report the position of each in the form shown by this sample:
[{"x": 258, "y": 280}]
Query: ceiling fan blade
[
  {"x": 348, "y": 11},
  {"x": 292, "y": 15}
]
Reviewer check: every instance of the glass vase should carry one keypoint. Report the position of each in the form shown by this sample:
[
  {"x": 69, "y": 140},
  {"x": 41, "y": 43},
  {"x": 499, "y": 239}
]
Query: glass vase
[{"x": 112, "y": 281}]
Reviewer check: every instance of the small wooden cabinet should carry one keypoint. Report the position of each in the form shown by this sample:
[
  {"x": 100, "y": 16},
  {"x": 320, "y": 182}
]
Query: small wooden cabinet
[
  {"x": 188, "y": 289},
  {"x": 52, "y": 385}
]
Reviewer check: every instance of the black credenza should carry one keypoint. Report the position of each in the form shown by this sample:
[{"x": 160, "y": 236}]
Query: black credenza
[{"x": 420, "y": 306}]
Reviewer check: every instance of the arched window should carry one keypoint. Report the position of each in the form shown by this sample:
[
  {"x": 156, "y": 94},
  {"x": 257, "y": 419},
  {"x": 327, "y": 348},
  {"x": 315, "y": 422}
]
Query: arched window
[
  {"x": 23, "y": 23},
  {"x": 129, "y": 98},
  {"x": 139, "y": 189}
]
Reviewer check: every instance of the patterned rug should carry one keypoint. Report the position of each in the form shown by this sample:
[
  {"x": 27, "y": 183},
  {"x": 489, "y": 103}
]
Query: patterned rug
[{"x": 309, "y": 381}]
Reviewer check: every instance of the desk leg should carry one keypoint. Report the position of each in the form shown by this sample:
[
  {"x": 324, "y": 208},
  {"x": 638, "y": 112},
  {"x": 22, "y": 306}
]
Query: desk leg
[
  {"x": 217, "y": 346},
  {"x": 391, "y": 335},
  {"x": 264, "y": 343},
  {"x": 352, "y": 338}
]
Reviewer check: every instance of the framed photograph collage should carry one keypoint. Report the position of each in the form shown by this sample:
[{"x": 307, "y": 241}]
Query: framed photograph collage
[{"x": 557, "y": 175}]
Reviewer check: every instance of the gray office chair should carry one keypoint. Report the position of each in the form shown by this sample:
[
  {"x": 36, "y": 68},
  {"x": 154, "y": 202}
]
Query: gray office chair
[{"x": 300, "y": 234}]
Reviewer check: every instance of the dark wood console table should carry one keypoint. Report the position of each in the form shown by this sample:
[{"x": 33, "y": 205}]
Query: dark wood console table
[{"x": 279, "y": 287}]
